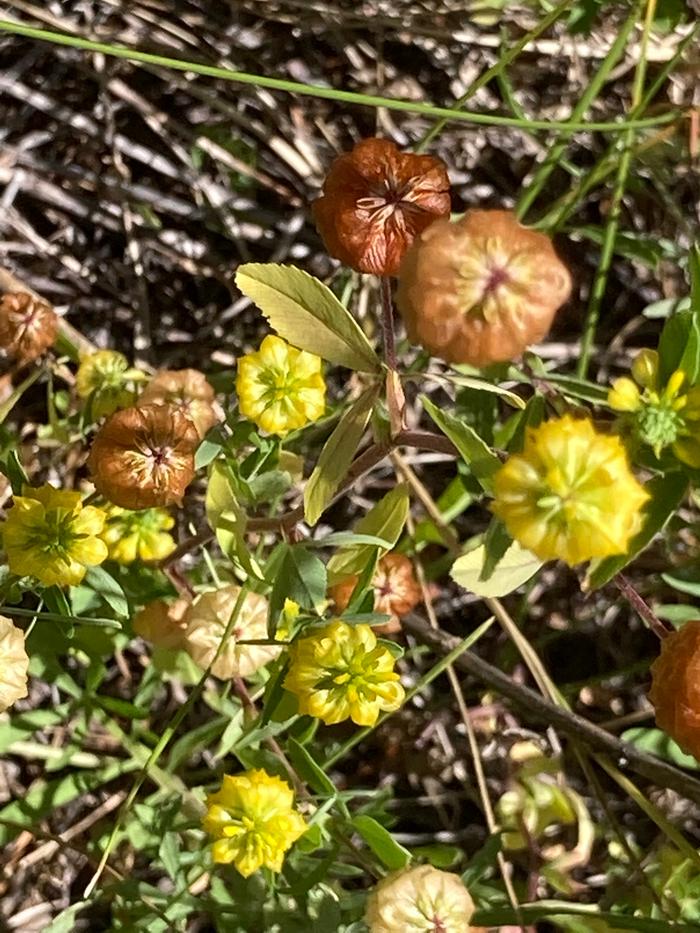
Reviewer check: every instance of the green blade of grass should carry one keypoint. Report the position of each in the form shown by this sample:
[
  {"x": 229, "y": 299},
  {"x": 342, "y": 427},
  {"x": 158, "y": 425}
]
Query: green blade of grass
[
  {"x": 568, "y": 127},
  {"x": 612, "y": 224},
  {"x": 530, "y": 193},
  {"x": 506, "y": 59}
]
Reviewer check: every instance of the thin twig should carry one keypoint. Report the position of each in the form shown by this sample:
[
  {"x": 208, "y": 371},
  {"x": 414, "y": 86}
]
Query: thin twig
[
  {"x": 626, "y": 755},
  {"x": 388, "y": 323},
  {"x": 489, "y": 814},
  {"x": 640, "y": 607},
  {"x": 367, "y": 460}
]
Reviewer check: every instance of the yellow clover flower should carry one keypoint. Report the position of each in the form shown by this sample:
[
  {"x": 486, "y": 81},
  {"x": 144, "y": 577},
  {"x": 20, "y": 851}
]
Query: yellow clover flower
[
  {"x": 13, "y": 664},
  {"x": 141, "y": 535},
  {"x": 421, "y": 899},
  {"x": 570, "y": 494},
  {"x": 49, "y": 534},
  {"x": 105, "y": 376},
  {"x": 280, "y": 388},
  {"x": 661, "y": 416},
  {"x": 252, "y": 821},
  {"x": 339, "y": 671}
]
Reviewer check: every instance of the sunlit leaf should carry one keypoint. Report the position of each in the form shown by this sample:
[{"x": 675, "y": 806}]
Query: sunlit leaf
[
  {"x": 307, "y": 314},
  {"x": 658, "y": 743},
  {"x": 336, "y": 457},
  {"x": 515, "y": 568},
  {"x": 482, "y": 461},
  {"x": 298, "y": 575},
  {"x": 227, "y": 520},
  {"x": 389, "y": 852},
  {"x": 385, "y": 520}
]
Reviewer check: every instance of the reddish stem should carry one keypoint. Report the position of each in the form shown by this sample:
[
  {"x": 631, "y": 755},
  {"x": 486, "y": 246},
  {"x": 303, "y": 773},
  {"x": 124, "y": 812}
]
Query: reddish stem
[{"x": 388, "y": 323}]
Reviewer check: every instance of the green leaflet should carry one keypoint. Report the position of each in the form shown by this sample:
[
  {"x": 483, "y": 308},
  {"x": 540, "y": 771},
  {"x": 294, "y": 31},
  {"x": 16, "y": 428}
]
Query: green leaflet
[
  {"x": 515, "y": 568},
  {"x": 385, "y": 520},
  {"x": 336, "y": 456},
  {"x": 307, "y": 314}
]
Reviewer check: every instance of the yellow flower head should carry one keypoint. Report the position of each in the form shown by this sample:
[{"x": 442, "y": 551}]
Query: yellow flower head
[
  {"x": 422, "y": 899},
  {"x": 141, "y": 535},
  {"x": 253, "y": 821},
  {"x": 661, "y": 415},
  {"x": 570, "y": 494},
  {"x": 49, "y": 534},
  {"x": 206, "y": 622},
  {"x": 339, "y": 672},
  {"x": 280, "y": 388},
  {"x": 105, "y": 375},
  {"x": 13, "y": 664}
]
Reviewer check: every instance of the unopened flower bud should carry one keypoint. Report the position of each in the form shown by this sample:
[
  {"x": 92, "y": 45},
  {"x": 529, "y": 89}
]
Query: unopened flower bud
[
  {"x": 188, "y": 391},
  {"x": 207, "y": 619},
  {"x": 645, "y": 368},
  {"x": 482, "y": 289},
  {"x": 144, "y": 457},
  {"x": 105, "y": 378},
  {"x": 624, "y": 395},
  {"x": 28, "y": 326},
  {"x": 375, "y": 200},
  {"x": 422, "y": 899}
]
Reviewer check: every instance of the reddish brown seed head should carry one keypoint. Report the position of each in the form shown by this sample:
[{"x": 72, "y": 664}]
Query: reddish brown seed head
[
  {"x": 144, "y": 457},
  {"x": 675, "y": 687},
  {"x": 28, "y": 326},
  {"x": 396, "y": 591},
  {"x": 480, "y": 290},
  {"x": 375, "y": 200}
]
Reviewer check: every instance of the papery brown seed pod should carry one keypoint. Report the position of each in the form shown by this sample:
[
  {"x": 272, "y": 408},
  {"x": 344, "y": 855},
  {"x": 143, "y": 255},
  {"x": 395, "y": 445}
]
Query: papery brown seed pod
[
  {"x": 144, "y": 457},
  {"x": 28, "y": 326},
  {"x": 396, "y": 591},
  {"x": 420, "y": 898},
  {"x": 375, "y": 200},
  {"x": 206, "y": 622},
  {"x": 188, "y": 391},
  {"x": 161, "y": 623},
  {"x": 480, "y": 290},
  {"x": 675, "y": 687}
]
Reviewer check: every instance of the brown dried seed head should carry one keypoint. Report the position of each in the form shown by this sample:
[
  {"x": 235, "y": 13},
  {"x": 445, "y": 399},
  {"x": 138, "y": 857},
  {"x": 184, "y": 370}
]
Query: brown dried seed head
[
  {"x": 186, "y": 390},
  {"x": 396, "y": 591},
  {"x": 675, "y": 687},
  {"x": 375, "y": 200},
  {"x": 206, "y": 622},
  {"x": 28, "y": 326},
  {"x": 144, "y": 457},
  {"x": 480, "y": 290},
  {"x": 161, "y": 623}
]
